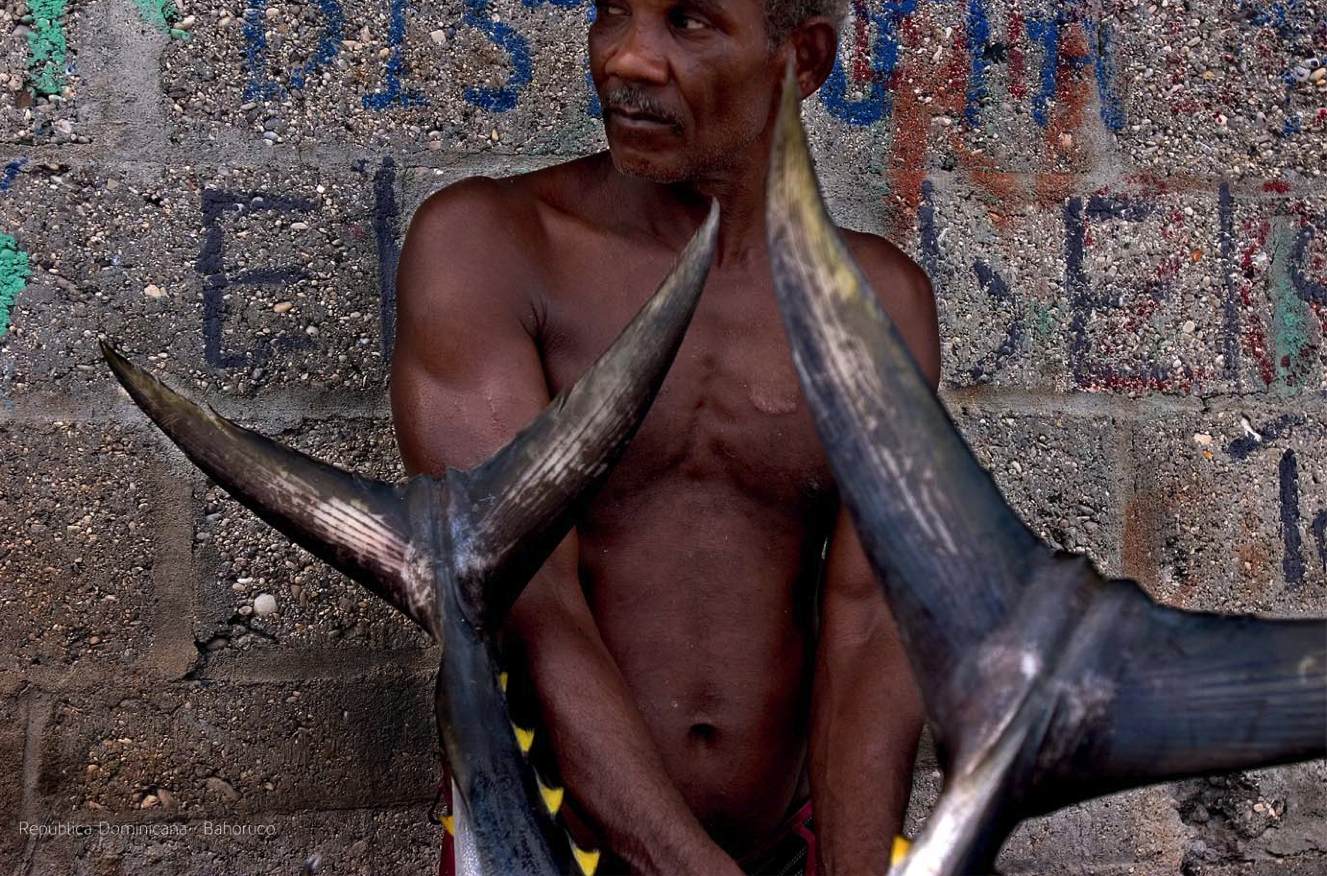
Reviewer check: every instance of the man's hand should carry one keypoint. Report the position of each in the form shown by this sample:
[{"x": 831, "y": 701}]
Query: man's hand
[{"x": 466, "y": 376}]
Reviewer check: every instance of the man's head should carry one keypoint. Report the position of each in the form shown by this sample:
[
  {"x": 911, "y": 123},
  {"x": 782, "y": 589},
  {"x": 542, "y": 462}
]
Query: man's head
[{"x": 688, "y": 86}]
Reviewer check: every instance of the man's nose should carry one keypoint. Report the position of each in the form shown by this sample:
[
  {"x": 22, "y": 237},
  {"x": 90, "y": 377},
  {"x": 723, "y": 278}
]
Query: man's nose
[{"x": 637, "y": 58}]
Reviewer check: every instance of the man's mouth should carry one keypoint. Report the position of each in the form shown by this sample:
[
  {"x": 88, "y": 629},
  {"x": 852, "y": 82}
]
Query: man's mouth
[
  {"x": 641, "y": 117},
  {"x": 634, "y": 107}
]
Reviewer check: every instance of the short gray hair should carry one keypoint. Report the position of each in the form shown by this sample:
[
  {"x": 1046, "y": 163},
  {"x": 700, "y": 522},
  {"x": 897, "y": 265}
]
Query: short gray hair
[{"x": 782, "y": 17}]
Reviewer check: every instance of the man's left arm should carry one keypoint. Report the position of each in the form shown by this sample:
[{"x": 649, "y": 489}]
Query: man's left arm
[
  {"x": 866, "y": 712},
  {"x": 866, "y": 716}
]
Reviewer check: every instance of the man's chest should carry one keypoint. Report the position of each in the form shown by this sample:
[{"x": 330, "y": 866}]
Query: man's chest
[{"x": 731, "y": 409}]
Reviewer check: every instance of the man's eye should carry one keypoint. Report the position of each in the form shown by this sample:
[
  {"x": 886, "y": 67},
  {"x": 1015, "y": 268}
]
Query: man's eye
[
  {"x": 684, "y": 21},
  {"x": 604, "y": 9}
]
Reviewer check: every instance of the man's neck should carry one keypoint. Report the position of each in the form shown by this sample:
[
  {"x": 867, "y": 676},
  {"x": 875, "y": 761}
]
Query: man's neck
[{"x": 671, "y": 212}]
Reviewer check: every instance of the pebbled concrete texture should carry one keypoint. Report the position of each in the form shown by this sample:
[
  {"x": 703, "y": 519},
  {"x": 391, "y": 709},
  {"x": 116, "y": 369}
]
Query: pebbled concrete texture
[
  {"x": 1057, "y": 471},
  {"x": 1228, "y": 512},
  {"x": 1121, "y": 206},
  {"x": 168, "y": 752},
  {"x": 77, "y": 507},
  {"x": 233, "y": 278}
]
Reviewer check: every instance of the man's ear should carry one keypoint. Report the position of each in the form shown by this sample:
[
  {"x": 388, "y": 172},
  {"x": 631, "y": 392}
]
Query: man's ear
[{"x": 815, "y": 43}]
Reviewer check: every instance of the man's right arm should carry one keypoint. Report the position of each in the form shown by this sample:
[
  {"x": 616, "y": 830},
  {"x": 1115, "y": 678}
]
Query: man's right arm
[{"x": 466, "y": 376}]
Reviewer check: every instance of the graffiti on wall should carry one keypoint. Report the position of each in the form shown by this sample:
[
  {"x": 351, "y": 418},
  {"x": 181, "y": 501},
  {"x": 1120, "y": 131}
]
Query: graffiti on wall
[
  {"x": 219, "y": 207},
  {"x": 1263, "y": 437},
  {"x": 1252, "y": 272},
  {"x": 878, "y": 53},
  {"x": 14, "y": 268}
]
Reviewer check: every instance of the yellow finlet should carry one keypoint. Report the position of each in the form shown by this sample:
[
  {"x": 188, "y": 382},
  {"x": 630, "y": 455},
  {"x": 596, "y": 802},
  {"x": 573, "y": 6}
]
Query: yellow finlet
[
  {"x": 524, "y": 738},
  {"x": 899, "y": 851},
  {"x": 588, "y": 860},
  {"x": 449, "y": 822},
  {"x": 552, "y": 797},
  {"x": 502, "y": 681}
]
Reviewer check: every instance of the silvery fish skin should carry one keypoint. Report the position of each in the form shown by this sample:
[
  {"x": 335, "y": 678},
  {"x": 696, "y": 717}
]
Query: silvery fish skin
[
  {"x": 1045, "y": 684},
  {"x": 454, "y": 553}
]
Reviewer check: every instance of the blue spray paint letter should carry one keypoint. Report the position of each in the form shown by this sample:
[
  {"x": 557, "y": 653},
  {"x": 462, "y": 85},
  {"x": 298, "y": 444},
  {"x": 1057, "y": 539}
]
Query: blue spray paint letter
[
  {"x": 503, "y": 98},
  {"x": 1112, "y": 108},
  {"x": 328, "y": 44},
  {"x": 260, "y": 85},
  {"x": 884, "y": 61},
  {"x": 394, "y": 92},
  {"x": 211, "y": 264},
  {"x": 979, "y": 35}
]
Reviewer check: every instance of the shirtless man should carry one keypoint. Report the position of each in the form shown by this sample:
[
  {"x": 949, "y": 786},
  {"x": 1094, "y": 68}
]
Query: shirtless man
[{"x": 700, "y": 666}]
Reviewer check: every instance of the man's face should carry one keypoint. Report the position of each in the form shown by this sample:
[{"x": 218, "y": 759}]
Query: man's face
[{"x": 686, "y": 86}]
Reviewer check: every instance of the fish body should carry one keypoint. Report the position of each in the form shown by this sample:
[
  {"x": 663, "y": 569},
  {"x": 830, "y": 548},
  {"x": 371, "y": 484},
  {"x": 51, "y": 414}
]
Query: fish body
[
  {"x": 454, "y": 553},
  {"x": 1044, "y": 682}
]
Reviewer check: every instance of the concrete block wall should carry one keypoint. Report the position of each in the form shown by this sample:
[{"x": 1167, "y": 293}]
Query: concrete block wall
[{"x": 1121, "y": 204}]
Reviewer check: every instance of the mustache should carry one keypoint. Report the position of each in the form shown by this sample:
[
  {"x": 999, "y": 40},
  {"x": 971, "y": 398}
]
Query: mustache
[{"x": 629, "y": 98}]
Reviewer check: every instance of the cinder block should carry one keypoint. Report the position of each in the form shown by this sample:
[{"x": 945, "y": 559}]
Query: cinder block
[
  {"x": 990, "y": 90},
  {"x": 40, "y": 82},
  {"x": 231, "y": 280},
  {"x": 1056, "y": 471},
  {"x": 472, "y": 76},
  {"x": 1143, "y": 285},
  {"x": 1227, "y": 93},
  {"x": 362, "y": 841},
  {"x": 78, "y": 507},
  {"x": 1138, "y": 830},
  {"x": 1136, "y": 290},
  {"x": 230, "y": 750},
  {"x": 1195, "y": 292},
  {"x": 998, "y": 268},
  {"x": 1229, "y": 511},
  {"x": 316, "y": 607},
  {"x": 13, "y": 736}
]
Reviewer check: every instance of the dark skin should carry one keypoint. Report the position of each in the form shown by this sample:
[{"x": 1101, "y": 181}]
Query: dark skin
[{"x": 671, "y": 638}]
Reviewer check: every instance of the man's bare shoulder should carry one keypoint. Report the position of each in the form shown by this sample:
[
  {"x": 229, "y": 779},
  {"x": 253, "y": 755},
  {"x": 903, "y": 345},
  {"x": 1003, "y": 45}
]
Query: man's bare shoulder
[
  {"x": 905, "y": 292},
  {"x": 499, "y": 220},
  {"x": 478, "y": 209},
  {"x": 896, "y": 278}
]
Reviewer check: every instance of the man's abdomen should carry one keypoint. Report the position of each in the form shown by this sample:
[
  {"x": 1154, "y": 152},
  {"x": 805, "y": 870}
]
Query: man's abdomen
[{"x": 705, "y": 600}]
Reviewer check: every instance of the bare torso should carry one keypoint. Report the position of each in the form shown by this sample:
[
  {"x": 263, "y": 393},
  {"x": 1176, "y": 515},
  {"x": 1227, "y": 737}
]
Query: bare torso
[{"x": 700, "y": 559}]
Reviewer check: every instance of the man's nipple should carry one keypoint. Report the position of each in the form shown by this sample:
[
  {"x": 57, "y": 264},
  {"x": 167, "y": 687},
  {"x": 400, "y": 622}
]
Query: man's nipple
[{"x": 773, "y": 399}]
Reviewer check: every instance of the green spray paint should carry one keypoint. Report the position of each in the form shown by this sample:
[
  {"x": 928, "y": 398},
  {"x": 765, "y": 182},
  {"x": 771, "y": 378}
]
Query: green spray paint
[
  {"x": 14, "y": 273},
  {"x": 161, "y": 14},
  {"x": 1041, "y": 319},
  {"x": 46, "y": 42},
  {"x": 1292, "y": 341}
]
